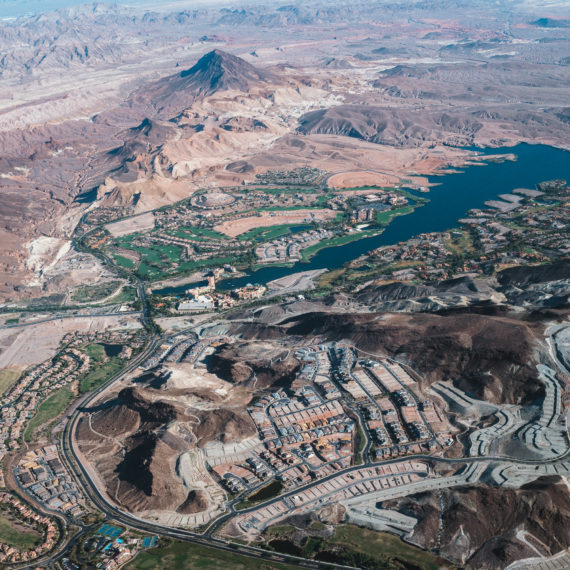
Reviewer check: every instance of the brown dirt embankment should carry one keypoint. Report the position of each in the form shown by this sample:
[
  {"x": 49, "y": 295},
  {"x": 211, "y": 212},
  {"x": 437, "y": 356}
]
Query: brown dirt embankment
[
  {"x": 480, "y": 524},
  {"x": 492, "y": 357}
]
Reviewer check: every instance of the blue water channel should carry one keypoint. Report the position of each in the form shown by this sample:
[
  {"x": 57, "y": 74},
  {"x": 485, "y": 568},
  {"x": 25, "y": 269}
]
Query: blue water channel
[{"x": 455, "y": 194}]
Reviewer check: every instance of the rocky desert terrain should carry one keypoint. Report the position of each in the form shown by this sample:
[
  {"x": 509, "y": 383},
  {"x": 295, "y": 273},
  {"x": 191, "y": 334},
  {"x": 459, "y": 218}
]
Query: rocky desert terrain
[
  {"x": 492, "y": 541},
  {"x": 87, "y": 123},
  {"x": 242, "y": 306},
  {"x": 150, "y": 424}
]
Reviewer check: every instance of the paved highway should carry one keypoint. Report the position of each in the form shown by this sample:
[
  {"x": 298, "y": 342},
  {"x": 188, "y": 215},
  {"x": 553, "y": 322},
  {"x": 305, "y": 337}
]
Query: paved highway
[
  {"x": 90, "y": 489},
  {"x": 67, "y": 316}
]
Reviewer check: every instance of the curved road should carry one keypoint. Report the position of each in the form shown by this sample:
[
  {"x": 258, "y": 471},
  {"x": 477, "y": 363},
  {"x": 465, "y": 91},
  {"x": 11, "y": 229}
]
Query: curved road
[{"x": 71, "y": 458}]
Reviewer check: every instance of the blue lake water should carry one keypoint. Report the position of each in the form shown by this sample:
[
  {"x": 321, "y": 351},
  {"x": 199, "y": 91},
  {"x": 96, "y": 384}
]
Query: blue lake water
[{"x": 455, "y": 194}]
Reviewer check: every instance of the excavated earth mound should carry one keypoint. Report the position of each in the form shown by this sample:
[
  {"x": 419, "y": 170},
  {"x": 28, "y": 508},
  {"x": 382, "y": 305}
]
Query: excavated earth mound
[{"x": 197, "y": 501}]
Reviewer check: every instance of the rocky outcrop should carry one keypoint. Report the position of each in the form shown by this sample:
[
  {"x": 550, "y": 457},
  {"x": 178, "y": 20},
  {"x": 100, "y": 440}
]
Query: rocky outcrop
[
  {"x": 481, "y": 525},
  {"x": 145, "y": 476},
  {"x": 197, "y": 501},
  {"x": 388, "y": 126}
]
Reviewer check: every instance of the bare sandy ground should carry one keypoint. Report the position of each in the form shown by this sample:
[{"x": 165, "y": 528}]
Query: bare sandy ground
[
  {"x": 132, "y": 225},
  {"x": 362, "y": 178},
  {"x": 171, "y": 324},
  {"x": 354, "y": 162},
  {"x": 233, "y": 228},
  {"x": 183, "y": 376},
  {"x": 32, "y": 344},
  {"x": 295, "y": 282}
]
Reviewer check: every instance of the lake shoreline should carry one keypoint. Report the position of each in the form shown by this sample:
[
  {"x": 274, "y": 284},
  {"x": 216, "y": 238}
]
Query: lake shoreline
[{"x": 450, "y": 198}]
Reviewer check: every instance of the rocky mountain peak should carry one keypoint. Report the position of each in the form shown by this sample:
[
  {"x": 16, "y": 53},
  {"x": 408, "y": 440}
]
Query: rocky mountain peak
[{"x": 221, "y": 70}]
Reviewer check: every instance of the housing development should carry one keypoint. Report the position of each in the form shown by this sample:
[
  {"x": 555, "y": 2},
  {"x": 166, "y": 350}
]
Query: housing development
[{"x": 285, "y": 285}]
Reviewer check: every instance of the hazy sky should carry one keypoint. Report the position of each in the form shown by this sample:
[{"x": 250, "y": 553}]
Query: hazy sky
[{"x": 15, "y": 8}]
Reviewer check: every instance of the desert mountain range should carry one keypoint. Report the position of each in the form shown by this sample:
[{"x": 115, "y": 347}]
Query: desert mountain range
[{"x": 204, "y": 109}]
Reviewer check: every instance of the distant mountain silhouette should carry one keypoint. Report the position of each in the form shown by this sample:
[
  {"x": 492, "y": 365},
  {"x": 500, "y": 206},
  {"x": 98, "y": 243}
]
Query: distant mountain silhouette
[
  {"x": 218, "y": 70},
  {"x": 213, "y": 72},
  {"x": 551, "y": 23}
]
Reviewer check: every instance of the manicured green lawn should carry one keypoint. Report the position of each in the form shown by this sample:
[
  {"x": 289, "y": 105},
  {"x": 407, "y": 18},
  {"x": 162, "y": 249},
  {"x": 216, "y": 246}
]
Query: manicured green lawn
[
  {"x": 100, "y": 374},
  {"x": 95, "y": 351},
  {"x": 8, "y": 377},
  {"x": 185, "y": 267},
  {"x": 321, "y": 201},
  {"x": 156, "y": 259},
  {"x": 384, "y": 546},
  {"x": 16, "y": 535},
  {"x": 361, "y": 444},
  {"x": 48, "y": 410},
  {"x": 199, "y": 234},
  {"x": 123, "y": 261},
  {"x": 186, "y": 556},
  {"x": 268, "y": 233},
  {"x": 385, "y": 218},
  {"x": 159, "y": 254},
  {"x": 102, "y": 368}
]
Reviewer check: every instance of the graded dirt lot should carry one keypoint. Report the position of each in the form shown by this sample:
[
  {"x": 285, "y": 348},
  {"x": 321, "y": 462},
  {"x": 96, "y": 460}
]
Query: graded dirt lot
[
  {"x": 295, "y": 282},
  {"x": 132, "y": 225},
  {"x": 233, "y": 228},
  {"x": 32, "y": 344},
  {"x": 362, "y": 178}
]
